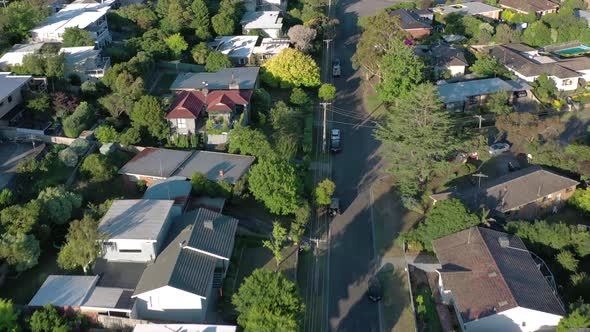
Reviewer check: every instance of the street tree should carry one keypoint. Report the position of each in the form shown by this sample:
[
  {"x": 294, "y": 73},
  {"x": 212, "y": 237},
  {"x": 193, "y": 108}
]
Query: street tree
[
  {"x": 381, "y": 33},
  {"x": 302, "y": 217},
  {"x": 20, "y": 218},
  {"x": 149, "y": 114},
  {"x": 277, "y": 241},
  {"x": 201, "y": 21},
  {"x": 177, "y": 44},
  {"x": 291, "y": 68},
  {"x": 302, "y": 37},
  {"x": 413, "y": 130},
  {"x": 277, "y": 185},
  {"x": 8, "y": 316},
  {"x": 58, "y": 205},
  {"x": 217, "y": 61},
  {"x": 446, "y": 217},
  {"x": 74, "y": 37},
  {"x": 327, "y": 92},
  {"x": 324, "y": 192},
  {"x": 268, "y": 301},
  {"x": 401, "y": 72},
  {"x": 82, "y": 245},
  {"x": 20, "y": 250}
]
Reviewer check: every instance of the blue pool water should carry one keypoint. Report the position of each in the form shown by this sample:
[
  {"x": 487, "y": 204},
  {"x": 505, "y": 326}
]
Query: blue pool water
[{"x": 573, "y": 50}]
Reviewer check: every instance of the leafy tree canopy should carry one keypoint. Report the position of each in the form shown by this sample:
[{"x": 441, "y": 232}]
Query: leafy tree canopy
[
  {"x": 58, "y": 205},
  {"x": 401, "y": 70},
  {"x": 578, "y": 318},
  {"x": 277, "y": 185},
  {"x": 554, "y": 235},
  {"x": 177, "y": 44},
  {"x": 217, "y": 61},
  {"x": 148, "y": 113},
  {"x": 20, "y": 250},
  {"x": 98, "y": 168},
  {"x": 82, "y": 245},
  {"x": 48, "y": 320},
  {"x": 327, "y": 92},
  {"x": 74, "y": 37},
  {"x": 324, "y": 192},
  {"x": 20, "y": 218},
  {"x": 8, "y": 316},
  {"x": 291, "y": 68},
  {"x": 248, "y": 141}
]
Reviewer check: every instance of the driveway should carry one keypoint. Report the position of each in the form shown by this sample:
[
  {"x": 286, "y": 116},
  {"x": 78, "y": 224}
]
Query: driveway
[{"x": 352, "y": 257}]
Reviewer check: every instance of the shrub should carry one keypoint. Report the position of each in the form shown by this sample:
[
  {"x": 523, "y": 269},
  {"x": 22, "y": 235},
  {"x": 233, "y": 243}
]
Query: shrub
[
  {"x": 97, "y": 168},
  {"x": 68, "y": 157},
  {"x": 80, "y": 120},
  {"x": 106, "y": 134}
]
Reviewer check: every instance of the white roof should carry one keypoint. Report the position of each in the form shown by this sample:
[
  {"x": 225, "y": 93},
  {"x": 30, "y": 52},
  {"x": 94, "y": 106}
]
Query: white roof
[
  {"x": 135, "y": 219},
  {"x": 76, "y": 14},
  {"x": 262, "y": 20},
  {"x": 236, "y": 46},
  {"x": 272, "y": 46},
  {"x": 183, "y": 328},
  {"x": 9, "y": 83},
  {"x": 61, "y": 290},
  {"x": 79, "y": 56},
  {"x": 15, "y": 55}
]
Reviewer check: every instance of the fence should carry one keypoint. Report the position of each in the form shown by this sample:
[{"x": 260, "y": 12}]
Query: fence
[
  {"x": 12, "y": 133},
  {"x": 180, "y": 67},
  {"x": 114, "y": 322}
]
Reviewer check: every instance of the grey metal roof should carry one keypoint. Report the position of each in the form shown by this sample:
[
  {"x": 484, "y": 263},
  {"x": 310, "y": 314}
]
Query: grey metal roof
[
  {"x": 211, "y": 163},
  {"x": 526, "y": 282},
  {"x": 10, "y": 83},
  {"x": 115, "y": 274},
  {"x": 175, "y": 188},
  {"x": 461, "y": 91},
  {"x": 245, "y": 77},
  {"x": 135, "y": 219},
  {"x": 62, "y": 290},
  {"x": 218, "y": 241},
  {"x": 155, "y": 162},
  {"x": 179, "y": 267}
]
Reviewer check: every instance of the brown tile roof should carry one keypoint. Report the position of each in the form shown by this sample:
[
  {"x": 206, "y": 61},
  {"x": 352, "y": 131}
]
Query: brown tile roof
[
  {"x": 529, "y": 6},
  {"x": 577, "y": 64},
  {"x": 409, "y": 20},
  {"x": 527, "y": 67},
  {"x": 512, "y": 190},
  {"x": 485, "y": 278},
  {"x": 186, "y": 105}
]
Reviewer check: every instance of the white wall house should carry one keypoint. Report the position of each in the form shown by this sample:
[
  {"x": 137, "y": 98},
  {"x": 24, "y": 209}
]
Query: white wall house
[
  {"x": 135, "y": 229},
  {"x": 11, "y": 91},
  {"x": 179, "y": 285},
  {"x": 90, "y": 16},
  {"x": 238, "y": 48},
  {"x": 268, "y": 22},
  {"x": 515, "y": 320},
  {"x": 86, "y": 62},
  {"x": 16, "y": 53},
  {"x": 258, "y": 5}
]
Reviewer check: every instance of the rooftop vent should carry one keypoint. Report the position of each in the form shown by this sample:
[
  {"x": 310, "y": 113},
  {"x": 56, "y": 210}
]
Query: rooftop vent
[
  {"x": 208, "y": 224},
  {"x": 502, "y": 303},
  {"x": 504, "y": 242},
  {"x": 492, "y": 274}
]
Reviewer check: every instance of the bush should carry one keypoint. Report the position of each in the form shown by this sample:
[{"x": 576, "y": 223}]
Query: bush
[
  {"x": 299, "y": 97},
  {"x": 97, "y": 168},
  {"x": 80, "y": 146},
  {"x": 106, "y": 134},
  {"x": 68, "y": 157},
  {"x": 581, "y": 200},
  {"x": 130, "y": 137},
  {"x": 80, "y": 120}
]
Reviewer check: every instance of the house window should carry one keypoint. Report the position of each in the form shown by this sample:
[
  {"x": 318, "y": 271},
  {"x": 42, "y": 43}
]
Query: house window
[
  {"x": 567, "y": 82},
  {"x": 181, "y": 123},
  {"x": 10, "y": 99},
  {"x": 129, "y": 250}
]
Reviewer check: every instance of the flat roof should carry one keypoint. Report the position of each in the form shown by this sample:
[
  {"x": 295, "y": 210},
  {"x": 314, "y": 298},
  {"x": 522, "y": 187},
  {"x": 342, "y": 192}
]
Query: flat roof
[
  {"x": 9, "y": 83},
  {"x": 64, "y": 290},
  {"x": 155, "y": 162},
  {"x": 110, "y": 297},
  {"x": 14, "y": 56},
  {"x": 466, "y": 8},
  {"x": 135, "y": 219},
  {"x": 183, "y": 328},
  {"x": 244, "y": 77},
  {"x": 235, "y": 46},
  {"x": 262, "y": 20},
  {"x": 76, "y": 14},
  {"x": 461, "y": 91},
  {"x": 210, "y": 163}
]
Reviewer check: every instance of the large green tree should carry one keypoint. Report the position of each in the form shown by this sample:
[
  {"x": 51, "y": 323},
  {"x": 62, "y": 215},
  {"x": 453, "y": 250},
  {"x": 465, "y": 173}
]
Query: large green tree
[
  {"x": 291, "y": 68},
  {"x": 446, "y": 217},
  {"x": 277, "y": 185},
  {"x": 177, "y": 44},
  {"x": 577, "y": 319},
  {"x": 558, "y": 236},
  {"x": 277, "y": 241},
  {"x": 20, "y": 250},
  {"x": 413, "y": 130},
  {"x": 98, "y": 168},
  {"x": 81, "y": 119},
  {"x": 74, "y": 37},
  {"x": 537, "y": 34},
  {"x": 216, "y": 61},
  {"x": 324, "y": 192},
  {"x": 8, "y": 316},
  {"x": 149, "y": 113},
  {"x": 401, "y": 71},
  {"x": 82, "y": 245},
  {"x": 58, "y": 205},
  {"x": 20, "y": 218},
  {"x": 248, "y": 141},
  {"x": 487, "y": 66},
  {"x": 268, "y": 302},
  {"x": 201, "y": 21},
  {"x": 381, "y": 33},
  {"x": 18, "y": 18}
]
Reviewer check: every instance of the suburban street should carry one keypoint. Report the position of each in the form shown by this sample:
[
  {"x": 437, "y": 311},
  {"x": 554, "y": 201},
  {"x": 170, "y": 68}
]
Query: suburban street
[{"x": 352, "y": 258}]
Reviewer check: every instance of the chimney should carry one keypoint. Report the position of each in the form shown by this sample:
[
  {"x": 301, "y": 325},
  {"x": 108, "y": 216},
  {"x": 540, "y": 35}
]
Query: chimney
[
  {"x": 205, "y": 88},
  {"x": 233, "y": 83},
  {"x": 504, "y": 242},
  {"x": 208, "y": 224},
  {"x": 221, "y": 172}
]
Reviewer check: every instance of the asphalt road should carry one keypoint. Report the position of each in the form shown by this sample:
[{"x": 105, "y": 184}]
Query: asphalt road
[{"x": 352, "y": 260}]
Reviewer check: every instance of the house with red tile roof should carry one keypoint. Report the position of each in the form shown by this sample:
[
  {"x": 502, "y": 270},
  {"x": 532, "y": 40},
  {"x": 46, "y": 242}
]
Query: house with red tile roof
[{"x": 219, "y": 108}]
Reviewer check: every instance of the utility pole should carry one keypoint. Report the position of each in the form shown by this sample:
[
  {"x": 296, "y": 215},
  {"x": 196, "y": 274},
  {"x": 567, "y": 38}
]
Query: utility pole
[
  {"x": 478, "y": 176},
  {"x": 480, "y": 118},
  {"x": 324, "y": 105}
]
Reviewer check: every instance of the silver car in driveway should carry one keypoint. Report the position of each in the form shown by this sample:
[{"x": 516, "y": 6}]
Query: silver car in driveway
[{"x": 498, "y": 148}]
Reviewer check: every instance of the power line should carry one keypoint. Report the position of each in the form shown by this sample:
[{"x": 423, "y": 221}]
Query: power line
[
  {"x": 354, "y": 117},
  {"x": 353, "y": 124}
]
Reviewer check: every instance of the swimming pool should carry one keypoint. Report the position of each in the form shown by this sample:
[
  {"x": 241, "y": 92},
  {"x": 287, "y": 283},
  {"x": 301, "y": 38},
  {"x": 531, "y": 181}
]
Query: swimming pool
[{"x": 582, "y": 48}]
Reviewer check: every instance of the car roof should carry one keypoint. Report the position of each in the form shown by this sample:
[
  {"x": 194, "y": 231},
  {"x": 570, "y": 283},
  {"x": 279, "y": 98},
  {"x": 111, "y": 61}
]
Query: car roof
[{"x": 335, "y": 130}]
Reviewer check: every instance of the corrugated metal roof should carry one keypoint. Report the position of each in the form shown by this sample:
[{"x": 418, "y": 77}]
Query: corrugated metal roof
[
  {"x": 219, "y": 240},
  {"x": 245, "y": 77},
  {"x": 176, "y": 188},
  {"x": 135, "y": 219},
  {"x": 62, "y": 290},
  {"x": 210, "y": 164},
  {"x": 461, "y": 91},
  {"x": 155, "y": 162}
]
